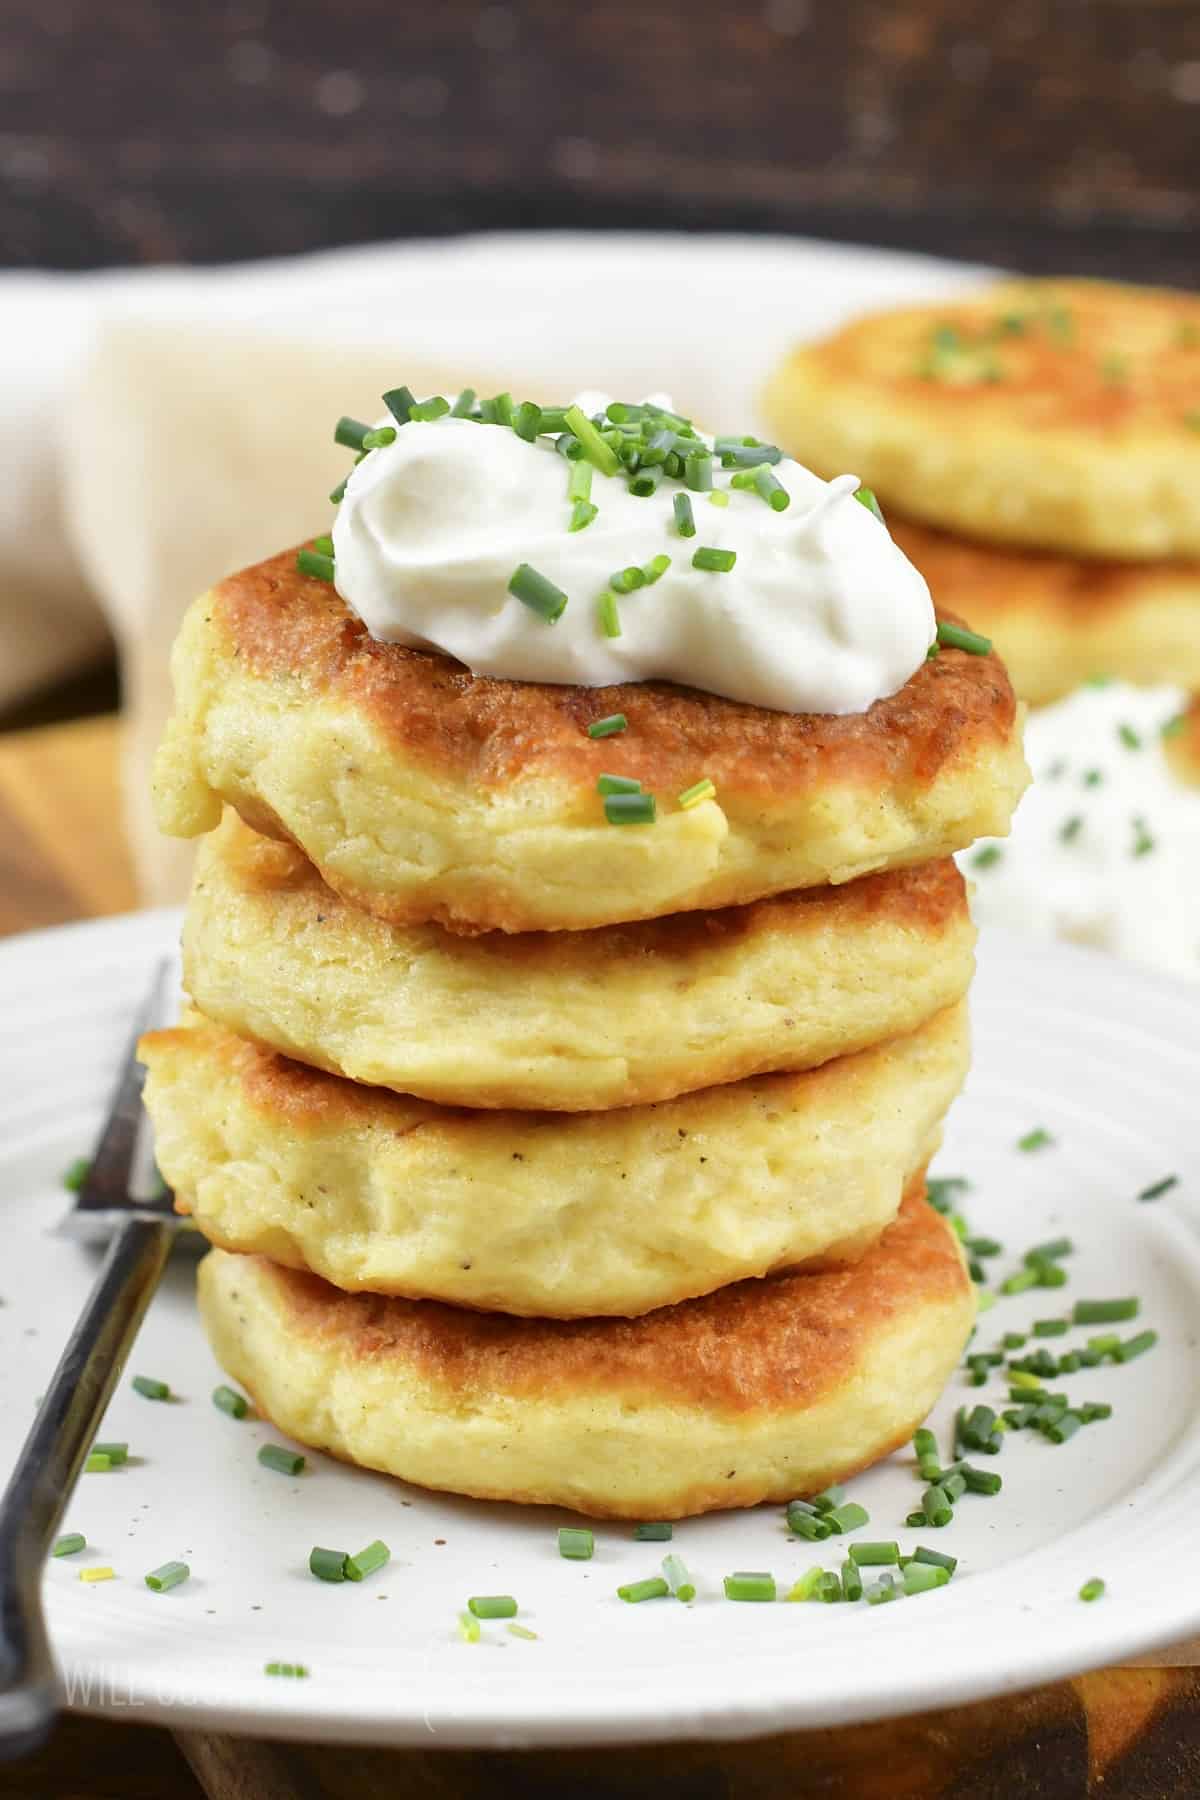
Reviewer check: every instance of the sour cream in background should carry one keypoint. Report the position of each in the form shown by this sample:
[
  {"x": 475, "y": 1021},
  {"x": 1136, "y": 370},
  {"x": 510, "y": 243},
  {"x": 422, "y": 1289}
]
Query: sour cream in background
[
  {"x": 820, "y": 613},
  {"x": 1105, "y": 846}
]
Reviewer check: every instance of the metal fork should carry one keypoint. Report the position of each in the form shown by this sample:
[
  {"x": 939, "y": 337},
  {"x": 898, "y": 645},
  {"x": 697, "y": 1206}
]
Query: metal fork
[{"x": 142, "y": 1232}]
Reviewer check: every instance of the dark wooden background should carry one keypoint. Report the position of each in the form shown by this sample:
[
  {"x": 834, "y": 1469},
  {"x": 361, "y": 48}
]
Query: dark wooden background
[{"x": 1043, "y": 133}]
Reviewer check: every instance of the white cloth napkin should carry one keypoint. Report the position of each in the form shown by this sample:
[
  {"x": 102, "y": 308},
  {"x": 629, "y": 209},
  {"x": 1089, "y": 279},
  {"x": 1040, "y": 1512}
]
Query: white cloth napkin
[{"x": 162, "y": 428}]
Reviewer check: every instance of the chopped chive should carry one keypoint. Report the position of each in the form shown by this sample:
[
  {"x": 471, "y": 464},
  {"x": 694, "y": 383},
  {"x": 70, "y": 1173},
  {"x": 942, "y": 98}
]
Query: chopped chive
[
  {"x": 569, "y": 446},
  {"x": 151, "y": 1388},
  {"x": 883, "y": 1590},
  {"x": 594, "y": 446},
  {"x": 327, "y": 1565},
  {"x": 1013, "y": 1340},
  {"x": 685, "y": 524},
  {"x": 929, "y": 1468},
  {"x": 1092, "y": 1590},
  {"x": 719, "y": 499},
  {"x": 747, "y": 456},
  {"x": 768, "y": 487},
  {"x": 980, "y": 1481},
  {"x": 935, "y": 1504},
  {"x": 537, "y": 593},
  {"x": 76, "y": 1174},
  {"x": 1157, "y": 1189},
  {"x": 941, "y": 1189},
  {"x": 954, "y": 1485},
  {"x": 462, "y": 406},
  {"x": 699, "y": 790},
  {"x": 492, "y": 1606},
  {"x": 379, "y": 438},
  {"x": 1105, "y": 1312},
  {"x": 984, "y": 1246},
  {"x": 554, "y": 419},
  {"x": 521, "y": 1631},
  {"x": 116, "y": 1453},
  {"x": 1136, "y": 1346},
  {"x": 1037, "y": 1139},
  {"x": 828, "y": 1589},
  {"x": 365, "y": 1562},
  {"x": 1143, "y": 841},
  {"x": 1106, "y": 1344},
  {"x": 1050, "y": 1251},
  {"x": 619, "y": 411},
  {"x": 866, "y": 497},
  {"x": 852, "y": 1586},
  {"x": 655, "y": 569},
  {"x": 715, "y": 561},
  {"x": 957, "y": 637},
  {"x": 1070, "y": 828},
  {"x": 97, "y": 1463},
  {"x": 281, "y": 1459},
  {"x": 916, "y": 1521},
  {"x": 1049, "y": 1274},
  {"x": 697, "y": 474},
  {"x": 922, "y": 1578},
  {"x": 1092, "y": 1410},
  {"x": 655, "y": 1533},
  {"x": 1060, "y": 1430},
  {"x": 609, "y": 727},
  {"x": 750, "y": 1584},
  {"x": 1051, "y": 1327},
  {"x": 1019, "y": 1282},
  {"x": 501, "y": 409},
  {"x": 618, "y": 784},
  {"x": 583, "y": 511},
  {"x": 1129, "y": 737},
  {"x": 630, "y": 809},
  {"x": 576, "y": 1543},
  {"x": 293, "y": 1671},
  {"x": 350, "y": 432},
  {"x": 870, "y": 1554},
  {"x": 831, "y": 1497},
  {"x": 803, "y": 1521},
  {"x": 1068, "y": 1364},
  {"x": 805, "y": 1586},
  {"x": 70, "y": 1544},
  {"x": 228, "y": 1400},
  {"x": 849, "y": 1517},
  {"x": 645, "y": 481},
  {"x": 676, "y": 1575},
  {"x": 527, "y": 421},
  {"x": 97, "y": 1574},
  {"x": 324, "y": 545},
  {"x": 988, "y": 857},
  {"x": 579, "y": 482},
  {"x": 400, "y": 402},
  {"x": 625, "y": 581},
  {"x": 338, "y": 494},
  {"x": 652, "y": 1588},
  {"x": 311, "y": 562},
  {"x": 936, "y": 1558},
  {"x": 161, "y": 1580},
  {"x": 607, "y": 614},
  {"x": 924, "y": 1442},
  {"x": 468, "y": 1628}
]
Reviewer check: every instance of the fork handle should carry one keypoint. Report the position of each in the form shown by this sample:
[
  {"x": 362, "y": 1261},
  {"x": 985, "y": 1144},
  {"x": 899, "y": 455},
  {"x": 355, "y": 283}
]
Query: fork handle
[{"x": 49, "y": 1465}]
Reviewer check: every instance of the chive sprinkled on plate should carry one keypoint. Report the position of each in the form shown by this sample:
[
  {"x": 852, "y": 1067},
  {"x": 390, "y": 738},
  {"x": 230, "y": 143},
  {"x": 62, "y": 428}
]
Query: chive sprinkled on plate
[
  {"x": 685, "y": 523},
  {"x": 150, "y": 1387},
  {"x": 714, "y": 561},
  {"x": 1157, "y": 1189},
  {"x": 654, "y": 1532},
  {"x": 469, "y": 1628},
  {"x": 281, "y": 1459},
  {"x": 103, "y": 1573},
  {"x": 957, "y": 637},
  {"x": 579, "y": 482},
  {"x": 1037, "y": 1139},
  {"x": 70, "y": 1544},
  {"x": 849, "y": 1516},
  {"x": 703, "y": 789},
  {"x": 327, "y": 1565},
  {"x": 1105, "y": 1312},
  {"x": 852, "y": 1585},
  {"x": 1092, "y": 1590},
  {"x": 171, "y": 1574},
  {"x": 521, "y": 1631},
  {"x": 630, "y": 809},
  {"x": 582, "y": 514},
  {"x": 607, "y": 615},
  {"x": 868, "y": 1554},
  {"x": 1070, "y": 828},
  {"x": 576, "y": 1543},
  {"x": 492, "y": 1606},
  {"x": 1143, "y": 841},
  {"x": 750, "y": 1584},
  {"x": 676, "y": 1576},
  {"x": 228, "y": 1400},
  {"x": 537, "y": 593},
  {"x": 365, "y": 1562},
  {"x": 292, "y": 1671},
  {"x": 1136, "y": 1346},
  {"x": 652, "y": 1588},
  {"x": 75, "y": 1174},
  {"x": 608, "y": 727}
]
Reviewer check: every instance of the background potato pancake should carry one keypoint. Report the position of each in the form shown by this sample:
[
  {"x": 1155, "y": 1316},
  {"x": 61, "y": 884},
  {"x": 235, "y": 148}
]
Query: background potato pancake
[
  {"x": 1182, "y": 744},
  {"x": 764, "y": 1391},
  {"x": 545, "y": 1213},
  {"x": 422, "y": 792},
  {"x": 1056, "y": 620},
  {"x": 1058, "y": 414},
  {"x": 570, "y": 1020}
]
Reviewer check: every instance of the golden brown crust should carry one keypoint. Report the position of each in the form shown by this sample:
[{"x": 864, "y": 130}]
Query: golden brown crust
[
  {"x": 491, "y": 733},
  {"x": 773, "y": 1345}
]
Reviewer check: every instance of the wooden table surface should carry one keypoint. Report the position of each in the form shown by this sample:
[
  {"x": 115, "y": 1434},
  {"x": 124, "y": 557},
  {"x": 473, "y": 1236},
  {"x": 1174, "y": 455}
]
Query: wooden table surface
[{"x": 1128, "y": 1734}]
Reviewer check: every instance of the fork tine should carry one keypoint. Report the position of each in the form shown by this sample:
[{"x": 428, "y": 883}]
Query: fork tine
[{"x": 107, "y": 1181}]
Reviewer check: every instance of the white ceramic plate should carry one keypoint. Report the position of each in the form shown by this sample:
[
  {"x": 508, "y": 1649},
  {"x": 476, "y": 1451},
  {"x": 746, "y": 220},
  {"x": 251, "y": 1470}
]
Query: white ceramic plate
[{"x": 1105, "y": 1057}]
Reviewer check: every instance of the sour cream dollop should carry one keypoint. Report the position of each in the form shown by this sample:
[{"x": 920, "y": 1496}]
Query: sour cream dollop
[
  {"x": 1105, "y": 847},
  {"x": 820, "y": 613}
]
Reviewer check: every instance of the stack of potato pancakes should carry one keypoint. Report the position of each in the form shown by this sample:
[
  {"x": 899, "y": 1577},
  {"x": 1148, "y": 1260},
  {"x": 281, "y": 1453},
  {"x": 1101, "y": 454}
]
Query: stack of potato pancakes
[
  {"x": 547, "y": 1159},
  {"x": 1036, "y": 448}
]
